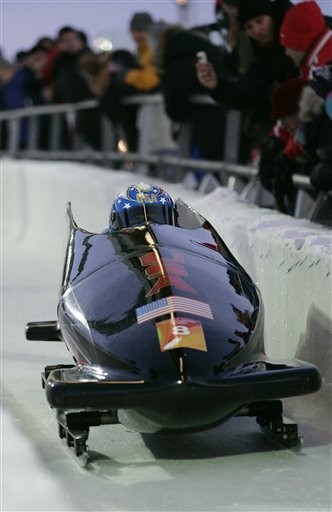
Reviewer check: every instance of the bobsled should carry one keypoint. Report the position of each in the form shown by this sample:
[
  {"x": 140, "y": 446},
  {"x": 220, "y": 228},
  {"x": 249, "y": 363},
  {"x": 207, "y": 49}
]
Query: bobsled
[{"x": 165, "y": 329}]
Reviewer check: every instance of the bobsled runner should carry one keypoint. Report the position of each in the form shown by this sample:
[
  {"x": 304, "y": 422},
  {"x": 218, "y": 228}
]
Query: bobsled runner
[{"x": 165, "y": 329}]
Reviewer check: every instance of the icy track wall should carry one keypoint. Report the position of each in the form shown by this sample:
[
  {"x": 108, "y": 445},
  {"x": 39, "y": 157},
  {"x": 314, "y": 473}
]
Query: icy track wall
[{"x": 289, "y": 259}]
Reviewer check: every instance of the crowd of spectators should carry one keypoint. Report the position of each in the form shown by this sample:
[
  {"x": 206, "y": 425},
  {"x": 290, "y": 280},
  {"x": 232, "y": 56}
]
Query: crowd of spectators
[
  {"x": 273, "y": 63},
  {"x": 46, "y": 74},
  {"x": 286, "y": 84}
]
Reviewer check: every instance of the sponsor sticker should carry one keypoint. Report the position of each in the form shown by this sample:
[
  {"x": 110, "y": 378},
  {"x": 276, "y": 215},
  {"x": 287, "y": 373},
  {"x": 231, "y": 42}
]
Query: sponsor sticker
[{"x": 181, "y": 332}]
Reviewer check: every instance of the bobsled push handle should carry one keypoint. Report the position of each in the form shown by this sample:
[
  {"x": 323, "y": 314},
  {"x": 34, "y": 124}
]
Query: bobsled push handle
[{"x": 43, "y": 331}]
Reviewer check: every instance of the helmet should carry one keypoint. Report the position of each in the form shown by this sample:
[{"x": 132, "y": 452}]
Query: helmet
[{"x": 140, "y": 204}]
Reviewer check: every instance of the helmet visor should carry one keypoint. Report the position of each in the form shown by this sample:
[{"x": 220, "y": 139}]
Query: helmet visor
[{"x": 140, "y": 215}]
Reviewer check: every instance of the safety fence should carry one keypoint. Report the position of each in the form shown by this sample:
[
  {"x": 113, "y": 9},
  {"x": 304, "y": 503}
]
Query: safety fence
[{"x": 172, "y": 165}]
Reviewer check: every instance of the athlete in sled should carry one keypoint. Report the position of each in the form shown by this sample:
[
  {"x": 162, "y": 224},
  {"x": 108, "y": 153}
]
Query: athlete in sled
[{"x": 165, "y": 329}]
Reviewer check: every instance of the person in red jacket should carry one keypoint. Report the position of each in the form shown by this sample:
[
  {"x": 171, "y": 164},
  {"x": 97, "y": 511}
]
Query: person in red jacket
[
  {"x": 305, "y": 36},
  {"x": 280, "y": 151}
]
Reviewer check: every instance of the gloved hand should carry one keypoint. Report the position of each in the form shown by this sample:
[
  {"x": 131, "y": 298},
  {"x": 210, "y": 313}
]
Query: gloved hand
[{"x": 206, "y": 75}]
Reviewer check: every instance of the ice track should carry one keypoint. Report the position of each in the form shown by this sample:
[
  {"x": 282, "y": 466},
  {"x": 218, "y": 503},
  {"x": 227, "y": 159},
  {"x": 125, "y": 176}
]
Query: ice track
[{"x": 232, "y": 467}]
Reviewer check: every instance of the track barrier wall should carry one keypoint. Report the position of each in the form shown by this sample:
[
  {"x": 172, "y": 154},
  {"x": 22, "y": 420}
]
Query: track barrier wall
[{"x": 155, "y": 146}]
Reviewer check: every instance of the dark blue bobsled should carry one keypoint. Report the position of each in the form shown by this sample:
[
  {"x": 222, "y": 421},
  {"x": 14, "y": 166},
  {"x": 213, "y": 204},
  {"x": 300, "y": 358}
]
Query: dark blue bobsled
[{"x": 166, "y": 332}]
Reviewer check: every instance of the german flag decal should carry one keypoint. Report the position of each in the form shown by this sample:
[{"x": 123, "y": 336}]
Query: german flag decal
[{"x": 179, "y": 333}]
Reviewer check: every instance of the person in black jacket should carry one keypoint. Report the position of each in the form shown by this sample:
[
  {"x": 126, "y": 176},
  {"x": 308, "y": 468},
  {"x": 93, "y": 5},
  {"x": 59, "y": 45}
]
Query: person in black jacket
[
  {"x": 176, "y": 53},
  {"x": 69, "y": 85},
  {"x": 261, "y": 19}
]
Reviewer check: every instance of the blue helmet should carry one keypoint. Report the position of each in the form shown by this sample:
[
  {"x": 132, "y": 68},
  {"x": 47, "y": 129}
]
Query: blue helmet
[{"x": 140, "y": 204}]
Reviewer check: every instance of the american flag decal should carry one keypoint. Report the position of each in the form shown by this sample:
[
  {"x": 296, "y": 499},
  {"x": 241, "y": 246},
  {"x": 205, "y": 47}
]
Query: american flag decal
[{"x": 170, "y": 305}]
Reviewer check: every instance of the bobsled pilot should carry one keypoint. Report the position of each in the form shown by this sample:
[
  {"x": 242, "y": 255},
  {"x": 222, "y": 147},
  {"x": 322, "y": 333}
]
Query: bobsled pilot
[{"x": 140, "y": 204}]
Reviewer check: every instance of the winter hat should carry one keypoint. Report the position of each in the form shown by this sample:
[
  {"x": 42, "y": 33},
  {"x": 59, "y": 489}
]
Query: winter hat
[
  {"x": 249, "y": 9},
  {"x": 141, "y": 22},
  {"x": 302, "y": 24},
  {"x": 285, "y": 99}
]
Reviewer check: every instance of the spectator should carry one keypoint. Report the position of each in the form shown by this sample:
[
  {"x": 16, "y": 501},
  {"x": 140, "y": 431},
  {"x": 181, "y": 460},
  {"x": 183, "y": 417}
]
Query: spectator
[
  {"x": 281, "y": 154},
  {"x": 52, "y": 53},
  {"x": 46, "y": 42},
  {"x": 21, "y": 58},
  {"x": 308, "y": 42},
  {"x": 129, "y": 78},
  {"x": 261, "y": 20},
  {"x": 105, "y": 80},
  {"x": 145, "y": 77},
  {"x": 13, "y": 86},
  {"x": 39, "y": 91},
  {"x": 321, "y": 83},
  {"x": 306, "y": 37},
  {"x": 307, "y": 148},
  {"x": 36, "y": 62},
  {"x": 285, "y": 104},
  {"x": 240, "y": 49},
  {"x": 69, "y": 85},
  {"x": 13, "y": 95},
  {"x": 229, "y": 36},
  {"x": 176, "y": 54}
]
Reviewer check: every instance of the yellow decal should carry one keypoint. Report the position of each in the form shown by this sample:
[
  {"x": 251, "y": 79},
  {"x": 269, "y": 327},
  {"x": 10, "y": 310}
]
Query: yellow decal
[{"x": 181, "y": 332}]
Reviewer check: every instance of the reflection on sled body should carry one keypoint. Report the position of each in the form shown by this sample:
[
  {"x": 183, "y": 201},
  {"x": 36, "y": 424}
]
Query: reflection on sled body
[{"x": 166, "y": 331}]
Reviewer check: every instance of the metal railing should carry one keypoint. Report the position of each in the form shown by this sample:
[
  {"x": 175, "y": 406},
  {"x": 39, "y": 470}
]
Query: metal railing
[
  {"x": 14, "y": 118},
  {"x": 55, "y": 112}
]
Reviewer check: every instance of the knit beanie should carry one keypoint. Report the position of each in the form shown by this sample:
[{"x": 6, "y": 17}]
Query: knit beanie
[
  {"x": 249, "y": 9},
  {"x": 302, "y": 24},
  {"x": 285, "y": 99},
  {"x": 141, "y": 22}
]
